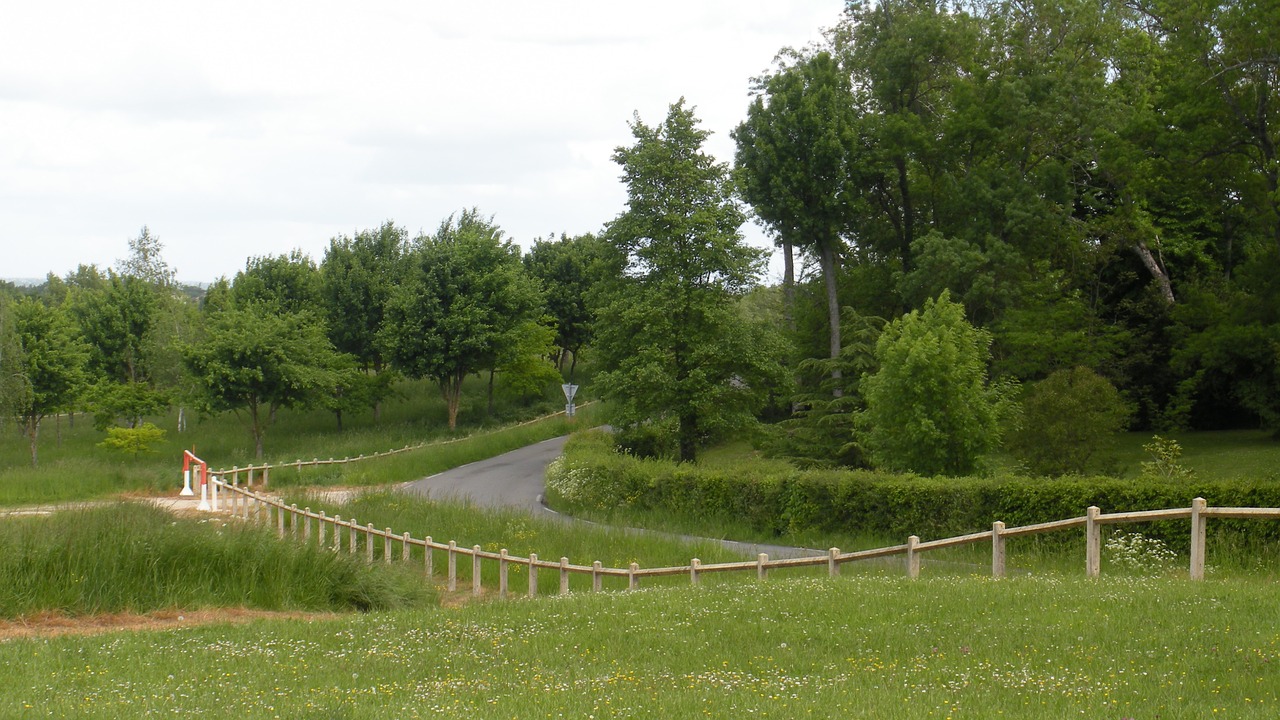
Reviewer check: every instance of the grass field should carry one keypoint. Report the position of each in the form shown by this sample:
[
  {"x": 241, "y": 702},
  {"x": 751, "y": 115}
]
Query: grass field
[{"x": 865, "y": 646}]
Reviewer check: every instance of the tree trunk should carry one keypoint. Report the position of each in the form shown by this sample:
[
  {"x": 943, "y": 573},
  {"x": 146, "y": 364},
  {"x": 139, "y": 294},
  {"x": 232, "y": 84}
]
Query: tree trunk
[
  {"x": 572, "y": 365},
  {"x": 490, "y": 411},
  {"x": 828, "y": 260},
  {"x": 33, "y": 433},
  {"x": 688, "y": 437},
  {"x": 789, "y": 285},
  {"x": 1157, "y": 271},
  {"x": 257, "y": 430},
  {"x": 452, "y": 390}
]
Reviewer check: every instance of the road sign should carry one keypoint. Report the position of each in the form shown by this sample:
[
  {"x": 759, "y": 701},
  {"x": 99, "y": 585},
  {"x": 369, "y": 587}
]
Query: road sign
[{"x": 569, "y": 391}]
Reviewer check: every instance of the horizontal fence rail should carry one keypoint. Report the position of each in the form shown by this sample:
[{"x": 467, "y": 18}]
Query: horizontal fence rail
[{"x": 337, "y": 534}]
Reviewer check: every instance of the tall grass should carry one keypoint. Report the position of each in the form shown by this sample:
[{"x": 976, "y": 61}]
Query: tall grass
[
  {"x": 132, "y": 557},
  {"x": 962, "y": 648}
]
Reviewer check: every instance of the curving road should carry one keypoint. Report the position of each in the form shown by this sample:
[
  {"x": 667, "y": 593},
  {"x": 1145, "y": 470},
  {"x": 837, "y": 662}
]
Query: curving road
[{"x": 516, "y": 480}]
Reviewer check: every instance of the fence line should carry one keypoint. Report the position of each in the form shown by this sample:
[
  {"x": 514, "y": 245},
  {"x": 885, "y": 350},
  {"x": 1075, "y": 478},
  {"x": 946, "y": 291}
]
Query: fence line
[
  {"x": 289, "y": 520},
  {"x": 266, "y": 468}
]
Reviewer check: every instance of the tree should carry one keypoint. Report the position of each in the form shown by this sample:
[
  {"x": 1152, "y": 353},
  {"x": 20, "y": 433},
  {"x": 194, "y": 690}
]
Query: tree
[
  {"x": 1069, "y": 419},
  {"x": 289, "y": 283},
  {"x": 51, "y": 366},
  {"x": 356, "y": 279},
  {"x": 254, "y": 359},
  {"x": 795, "y": 166},
  {"x": 146, "y": 262},
  {"x": 669, "y": 336},
  {"x": 462, "y": 299},
  {"x": 566, "y": 269},
  {"x": 929, "y": 407}
]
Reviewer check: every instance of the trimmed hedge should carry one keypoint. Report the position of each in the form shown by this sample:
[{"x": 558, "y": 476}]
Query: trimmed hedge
[{"x": 592, "y": 476}]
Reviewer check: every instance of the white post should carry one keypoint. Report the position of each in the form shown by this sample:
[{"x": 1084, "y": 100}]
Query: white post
[
  {"x": 564, "y": 576},
  {"x": 502, "y": 574},
  {"x": 913, "y": 557},
  {"x": 595, "y": 576},
  {"x": 632, "y": 581},
  {"x": 833, "y": 563},
  {"x": 475, "y": 570},
  {"x": 997, "y": 549},
  {"x": 453, "y": 565},
  {"x": 213, "y": 480},
  {"x": 186, "y": 483},
  {"x": 533, "y": 574},
  {"x": 761, "y": 570},
  {"x": 427, "y": 560},
  {"x": 1092, "y": 543},
  {"x": 694, "y": 565},
  {"x": 204, "y": 498}
]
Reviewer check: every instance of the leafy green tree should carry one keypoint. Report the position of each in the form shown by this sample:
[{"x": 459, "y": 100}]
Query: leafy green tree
[
  {"x": 146, "y": 261},
  {"x": 566, "y": 268},
  {"x": 669, "y": 336},
  {"x": 796, "y": 156},
  {"x": 1069, "y": 421},
  {"x": 462, "y": 300},
  {"x": 289, "y": 283},
  {"x": 254, "y": 359},
  {"x": 135, "y": 440},
  {"x": 51, "y": 361},
  {"x": 930, "y": 409},
  {"x": 356, "y": 279}
]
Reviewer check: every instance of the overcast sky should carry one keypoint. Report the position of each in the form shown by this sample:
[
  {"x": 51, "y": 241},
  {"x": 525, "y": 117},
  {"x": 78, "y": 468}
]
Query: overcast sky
[{"x": 235, "y": 129}]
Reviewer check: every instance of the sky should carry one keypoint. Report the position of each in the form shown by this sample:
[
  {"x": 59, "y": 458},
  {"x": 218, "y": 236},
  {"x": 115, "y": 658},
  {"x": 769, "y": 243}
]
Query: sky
[{"x": 234, "y": 129}]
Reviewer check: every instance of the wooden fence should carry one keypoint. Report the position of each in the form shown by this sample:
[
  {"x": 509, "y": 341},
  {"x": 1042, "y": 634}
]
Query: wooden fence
[{"x": 337, "y": 534}]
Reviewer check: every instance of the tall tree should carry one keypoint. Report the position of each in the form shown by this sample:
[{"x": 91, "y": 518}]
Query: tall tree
[
  {"x": 929, "y": 406},
  {"x": 566, "y": 268},
  {"x": 356, "y": 279},
  {"x": 796, "y": 166},
  {"x": 463, "y": 296},
  {"x": 672, "y": 343},
  {"x": 146, "y": 260},
  {"x": 51, "y": 362},
  {"x": 254, "y": 359},
  {"x": 289, "y": 283}
]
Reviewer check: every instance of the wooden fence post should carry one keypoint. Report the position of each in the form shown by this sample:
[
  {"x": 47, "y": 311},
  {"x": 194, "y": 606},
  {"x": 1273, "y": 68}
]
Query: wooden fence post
[
  {"x": 762, "y": 571},
  {"x": 694, "y": 565},
  {"x": 428, "y": 562},
  {"x": 453, "y": 566},
  {"x": 404, "y": 547},
  {"x": 997, "y": 549},
  {"x": 265, "y": 470},
  {"x": 833, "y": 566},
  {"x": 564, "y": 576},
  {"x": 502, "y": 573},
  {"x": 293, "y": 520},
  {"x": 368, "y": 543},
  {"x": 386, "y": 546},
  {"x": 595, "y": 576},
  {"x": 475, "y": 570},
  {"x": 632, "y": 581},
  {"x": 1092, "y": 542},
  {"x": 354, "y": 541},
  {"x": 306, "y": 524},
  {"x": 320, "y": 530},
  {"x": 279, "y": 520},
  {"x": 1197, "y": 538},
  {"x": 533, "y": 574},
  {"x": 913, "y": 557},
  {"x": 337, "y": 533}
]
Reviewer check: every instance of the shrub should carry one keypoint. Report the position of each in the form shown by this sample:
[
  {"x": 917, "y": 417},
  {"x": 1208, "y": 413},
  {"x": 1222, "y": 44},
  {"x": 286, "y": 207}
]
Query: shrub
[
  {"x": 929, "y": 409},
  {"x": 1069, "y": 421}
]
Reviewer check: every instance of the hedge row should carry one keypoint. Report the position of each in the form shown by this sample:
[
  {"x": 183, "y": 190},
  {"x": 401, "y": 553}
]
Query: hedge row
[{"x": 591, "y": 476}]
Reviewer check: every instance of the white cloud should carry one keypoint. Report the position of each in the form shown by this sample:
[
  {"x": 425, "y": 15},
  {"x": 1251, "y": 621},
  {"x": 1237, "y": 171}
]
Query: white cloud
[{"x": 236, "y": 128}]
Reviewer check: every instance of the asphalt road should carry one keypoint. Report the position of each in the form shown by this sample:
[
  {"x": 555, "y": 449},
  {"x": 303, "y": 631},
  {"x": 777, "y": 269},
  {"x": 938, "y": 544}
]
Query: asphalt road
[{"x": 516, "y": 480}]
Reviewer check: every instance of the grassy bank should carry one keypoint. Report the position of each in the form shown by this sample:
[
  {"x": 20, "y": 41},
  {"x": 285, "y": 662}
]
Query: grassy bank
[
  {"x": 129, "y": 557},
  {"x": 866, "y": 647}
]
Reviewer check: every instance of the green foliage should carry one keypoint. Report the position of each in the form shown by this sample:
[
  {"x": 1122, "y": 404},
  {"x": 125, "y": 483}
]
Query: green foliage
[
  {"x": 51, "y": 370},
  {"x": 127, "y": 557},
  {"x": 567, "y": 270},
  {"x": 288, "y": 283},
  {"x": 591, "y": 477},
  {"x": 134, "y": 440},
  {"x": 1069, "y": 420},
  {"x": 929, "y": 407},
  {"x": 464, "y": 300},
  {"x": 256, "y": 359},
  {"x": 356, "y": 279},
  {"x": 668, "y": 334},
  {"x": 126, "y": 402},
  {"x": 1164, "y": 463}
]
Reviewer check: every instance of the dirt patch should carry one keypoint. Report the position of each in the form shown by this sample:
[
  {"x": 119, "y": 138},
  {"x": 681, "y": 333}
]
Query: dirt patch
[{"x": 58, "y": 624}]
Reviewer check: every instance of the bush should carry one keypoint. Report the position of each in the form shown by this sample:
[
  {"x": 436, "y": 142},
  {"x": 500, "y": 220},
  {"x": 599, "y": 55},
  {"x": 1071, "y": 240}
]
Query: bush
[
  {"x": 592, "y": 477},
  {"x": 1069, "y": 421}
]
